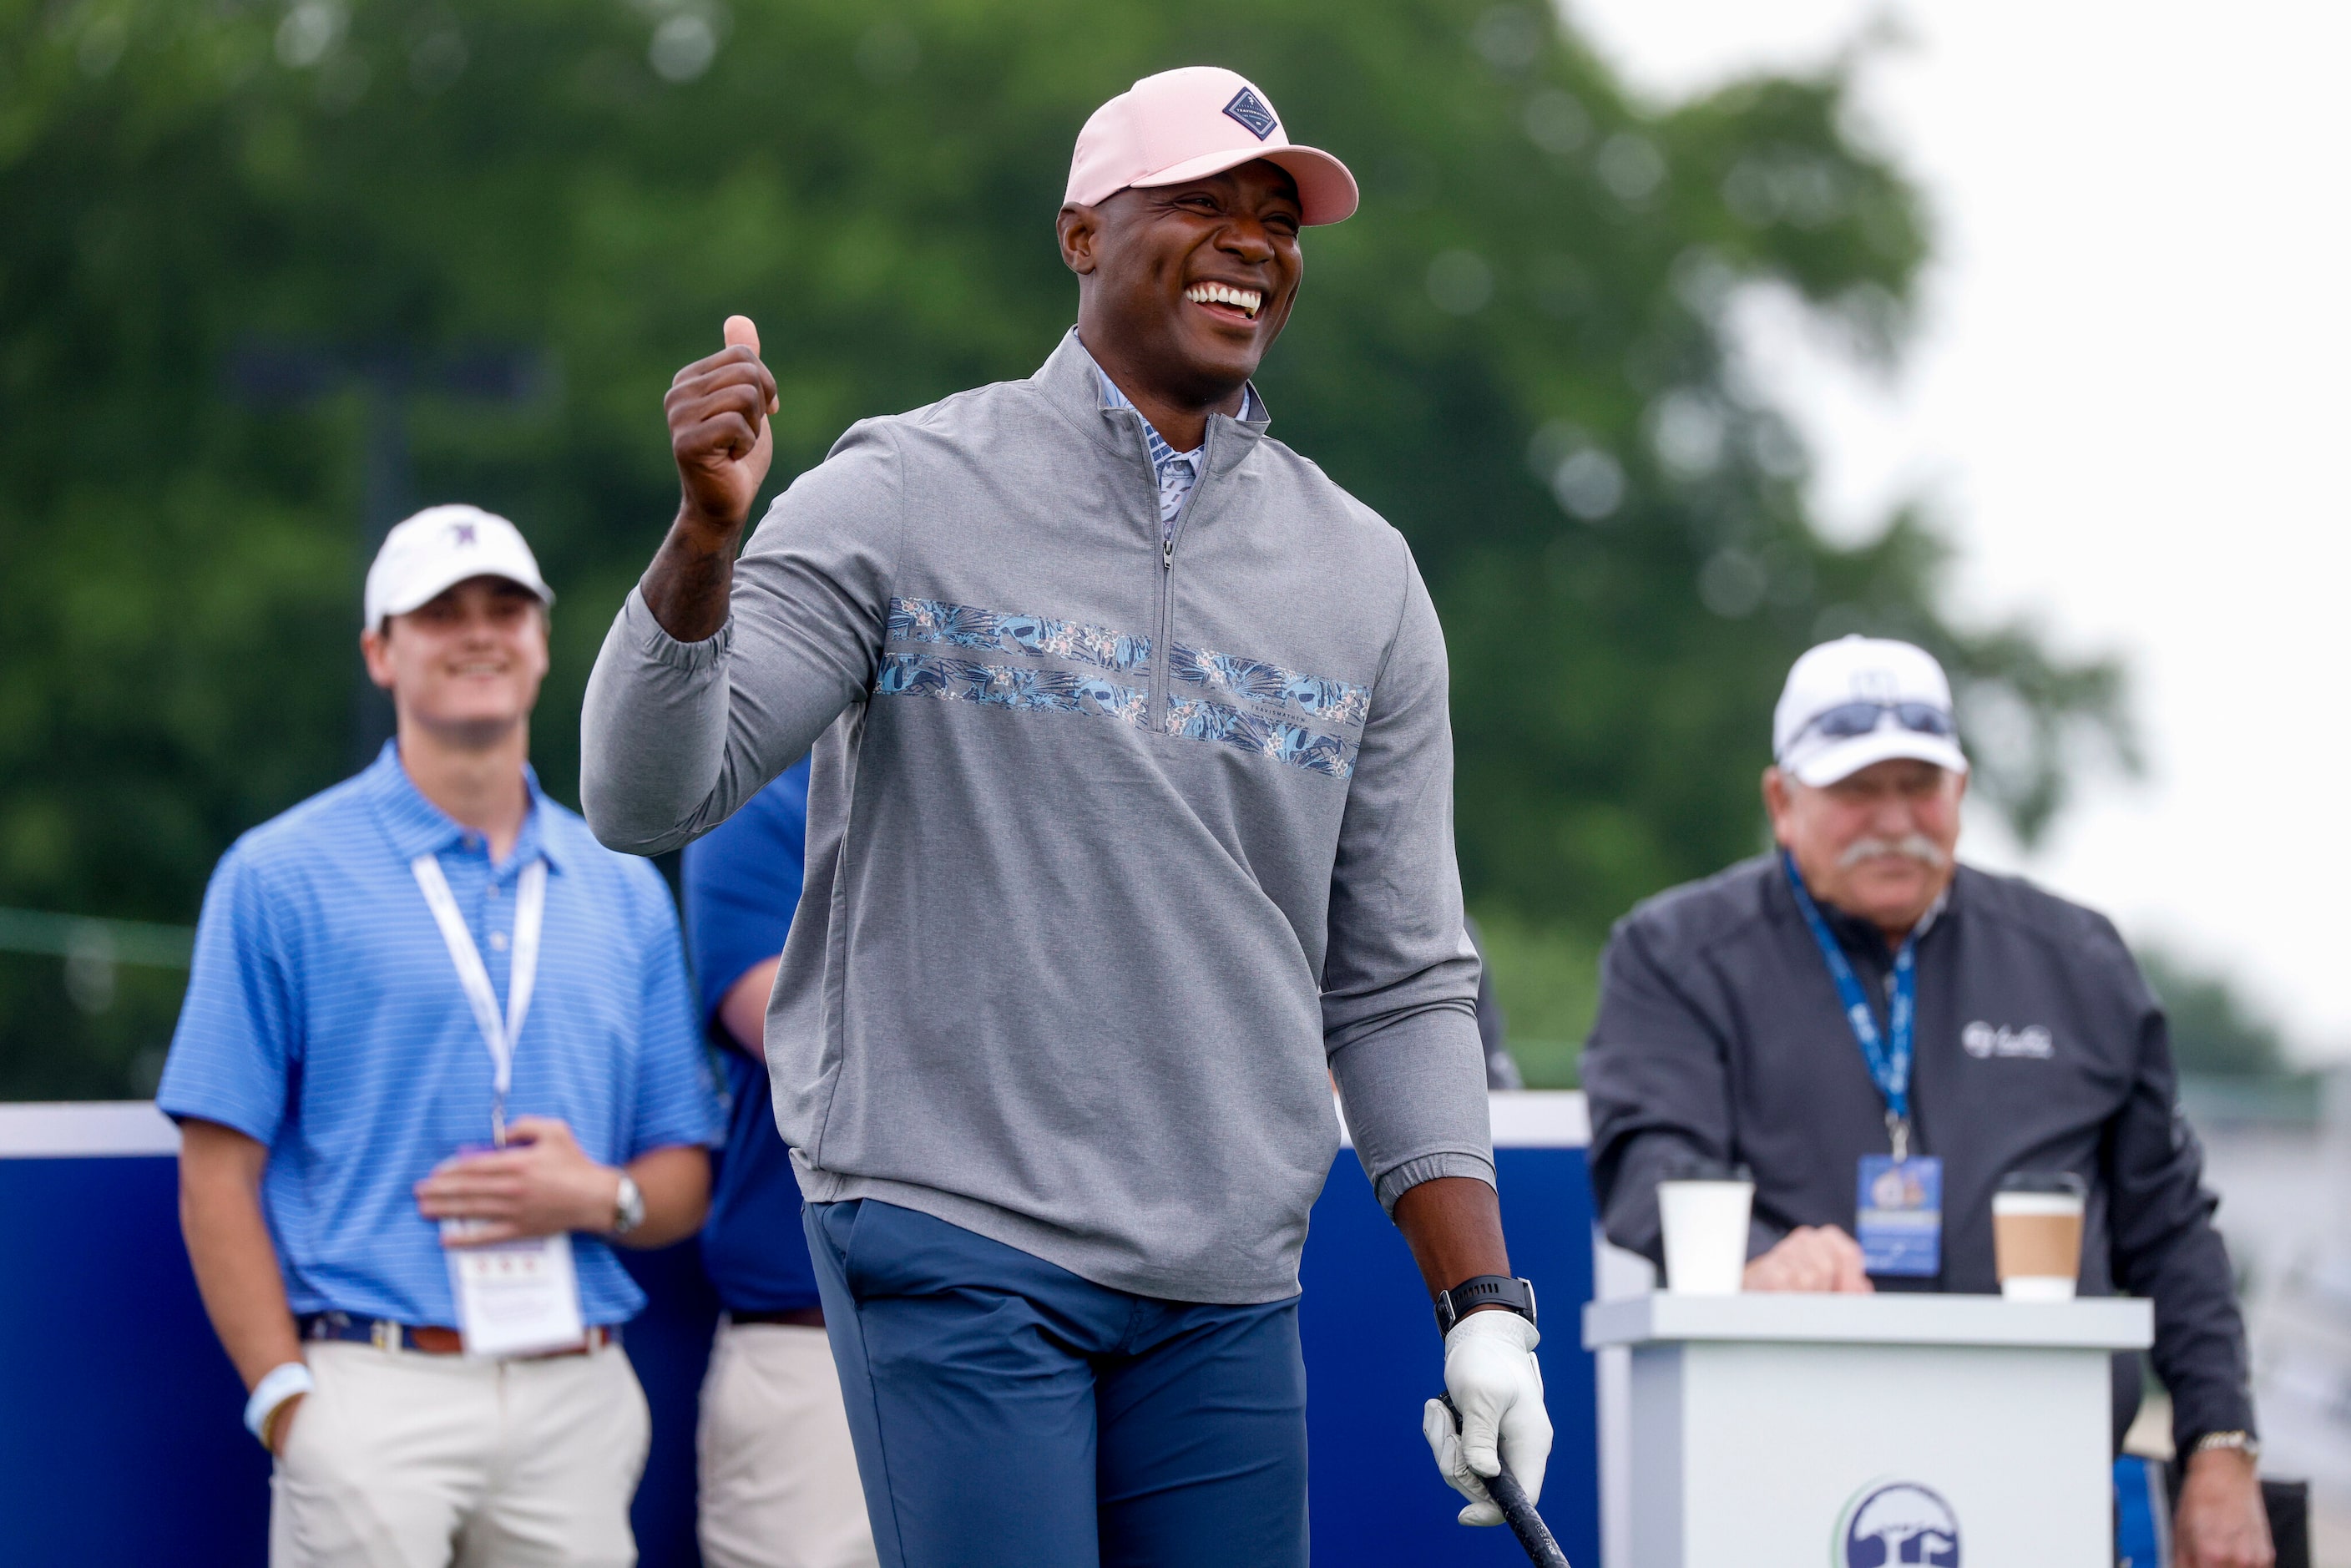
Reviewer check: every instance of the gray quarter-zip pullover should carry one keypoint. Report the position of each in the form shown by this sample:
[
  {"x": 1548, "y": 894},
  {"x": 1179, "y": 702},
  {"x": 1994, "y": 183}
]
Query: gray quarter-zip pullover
[{"x": 1118, "y": 840}]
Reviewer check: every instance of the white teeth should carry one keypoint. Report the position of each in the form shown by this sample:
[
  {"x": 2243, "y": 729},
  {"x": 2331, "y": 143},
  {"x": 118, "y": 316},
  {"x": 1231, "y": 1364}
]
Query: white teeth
[{"x": 1244, "y": 299}]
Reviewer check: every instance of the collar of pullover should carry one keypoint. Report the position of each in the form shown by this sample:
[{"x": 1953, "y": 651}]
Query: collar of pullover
[
  {"x": 1074, "y": 385},
  {"x": 1177, "y": 471},
  {"x": 1162, "y": 452}
]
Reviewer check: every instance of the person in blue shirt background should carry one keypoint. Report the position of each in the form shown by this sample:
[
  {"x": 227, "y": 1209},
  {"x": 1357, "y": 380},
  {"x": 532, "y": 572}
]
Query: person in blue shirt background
[
  {"x": 780, "y": 1485},
  {"x": 364, "y": 962}
]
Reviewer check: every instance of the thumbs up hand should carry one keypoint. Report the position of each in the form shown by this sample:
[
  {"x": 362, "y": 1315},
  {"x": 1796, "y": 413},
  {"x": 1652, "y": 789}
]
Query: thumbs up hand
[{"x": 718, "y": 431}]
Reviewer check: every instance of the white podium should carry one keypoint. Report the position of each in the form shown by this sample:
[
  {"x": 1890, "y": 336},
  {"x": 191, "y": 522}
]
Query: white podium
[{"x": 1787, "y": 1431}]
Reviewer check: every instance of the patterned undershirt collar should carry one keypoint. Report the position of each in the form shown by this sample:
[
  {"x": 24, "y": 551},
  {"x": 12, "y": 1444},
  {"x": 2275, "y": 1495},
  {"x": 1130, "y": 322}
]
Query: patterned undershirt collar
[{"x": 1177, "y": 471}]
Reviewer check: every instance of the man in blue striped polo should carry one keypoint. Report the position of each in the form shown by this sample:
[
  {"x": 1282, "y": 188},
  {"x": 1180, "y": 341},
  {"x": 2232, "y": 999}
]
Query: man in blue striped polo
[{"x": 437, "y": 1054}]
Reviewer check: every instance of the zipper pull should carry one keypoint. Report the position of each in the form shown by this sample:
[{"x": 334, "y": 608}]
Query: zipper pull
[{"x": 1168, "y": 550}]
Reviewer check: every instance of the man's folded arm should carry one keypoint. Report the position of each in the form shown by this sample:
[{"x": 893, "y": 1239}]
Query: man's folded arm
[
  {"x": 675, "y": 736},
  {"x": 1660, "y": 1096}
]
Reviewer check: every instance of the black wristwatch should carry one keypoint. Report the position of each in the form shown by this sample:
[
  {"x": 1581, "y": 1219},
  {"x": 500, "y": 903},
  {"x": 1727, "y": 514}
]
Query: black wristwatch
[{"x": 1485, "y": 1291}]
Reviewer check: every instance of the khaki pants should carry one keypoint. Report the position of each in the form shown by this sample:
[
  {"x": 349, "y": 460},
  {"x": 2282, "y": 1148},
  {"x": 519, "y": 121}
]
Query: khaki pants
[
  {"x": 778, "y": 1478},
  {"x": 403, "y": 1460}
]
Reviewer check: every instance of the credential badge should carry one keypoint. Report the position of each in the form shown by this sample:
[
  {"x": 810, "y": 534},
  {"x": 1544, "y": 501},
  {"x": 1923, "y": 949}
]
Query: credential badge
[{"x": 1253, "y": 115}]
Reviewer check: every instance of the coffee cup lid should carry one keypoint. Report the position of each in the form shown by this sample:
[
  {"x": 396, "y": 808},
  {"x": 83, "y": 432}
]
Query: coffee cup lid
[{"x": 2044, "y": 1181}]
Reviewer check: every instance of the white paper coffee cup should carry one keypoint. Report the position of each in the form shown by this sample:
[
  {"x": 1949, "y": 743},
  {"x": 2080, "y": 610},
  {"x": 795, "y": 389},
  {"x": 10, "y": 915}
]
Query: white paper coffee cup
[{"x": 1705, "y": 1224}]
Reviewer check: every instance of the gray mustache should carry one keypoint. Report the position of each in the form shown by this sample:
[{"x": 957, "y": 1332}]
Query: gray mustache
[{"x": 1917, "y": 846}]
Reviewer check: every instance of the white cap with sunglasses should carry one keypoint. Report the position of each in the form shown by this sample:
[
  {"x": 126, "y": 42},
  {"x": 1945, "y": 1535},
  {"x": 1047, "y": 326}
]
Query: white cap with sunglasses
[{"x": 1862, "y": 700}]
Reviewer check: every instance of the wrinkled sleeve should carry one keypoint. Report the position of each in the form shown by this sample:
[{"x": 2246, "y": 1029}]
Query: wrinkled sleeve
[
  {"x": 1400, "y": 978},
  {"x": 1658, "y": 1079},
  {"x": 238, "y": 1044},
  {"x": 2163, "y": 1245},
  {"x": 675, "y": 736}
]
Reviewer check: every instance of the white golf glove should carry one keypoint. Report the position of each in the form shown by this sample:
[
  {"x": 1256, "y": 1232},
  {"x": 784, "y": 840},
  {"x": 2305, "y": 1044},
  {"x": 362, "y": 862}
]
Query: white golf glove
[{"x": 1490, "y": 1371}]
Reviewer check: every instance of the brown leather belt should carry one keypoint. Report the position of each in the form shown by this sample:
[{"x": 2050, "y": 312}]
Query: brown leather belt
[
  {"x": 798, "y": 1317},
  {"x": 426, "y": 1339}
]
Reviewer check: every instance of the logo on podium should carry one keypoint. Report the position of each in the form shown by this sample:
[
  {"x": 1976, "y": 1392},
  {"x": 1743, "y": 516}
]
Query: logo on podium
[{"x": 1890, "y": 1523}]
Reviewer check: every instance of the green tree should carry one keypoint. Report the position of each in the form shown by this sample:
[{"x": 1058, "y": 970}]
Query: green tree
[
  {"x": 2214, "y": 1029},
  {"x": 1517, "y": 351}
]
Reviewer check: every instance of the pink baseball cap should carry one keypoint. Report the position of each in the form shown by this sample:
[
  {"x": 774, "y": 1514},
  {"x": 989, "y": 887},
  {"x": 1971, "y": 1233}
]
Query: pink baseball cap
[{"x": 1190, "y": 123}]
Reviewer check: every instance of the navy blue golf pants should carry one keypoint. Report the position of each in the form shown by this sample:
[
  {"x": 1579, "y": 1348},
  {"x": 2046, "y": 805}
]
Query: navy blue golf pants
[{"x": 1008, "y": 1412}]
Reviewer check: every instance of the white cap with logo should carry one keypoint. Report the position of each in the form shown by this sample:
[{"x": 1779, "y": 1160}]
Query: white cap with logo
[
  {"x": 440, "y": 546},
  {"x": 1863, "y": 700}
]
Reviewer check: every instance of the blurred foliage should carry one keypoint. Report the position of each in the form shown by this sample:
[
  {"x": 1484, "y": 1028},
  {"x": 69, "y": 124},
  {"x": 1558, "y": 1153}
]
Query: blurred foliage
[
  {"x": 2214, "y": 1029},
  {"x": 118, "y": 1019},
  {"x": 1518, "y": 351},
  {"x": 1547, "y": 982}
]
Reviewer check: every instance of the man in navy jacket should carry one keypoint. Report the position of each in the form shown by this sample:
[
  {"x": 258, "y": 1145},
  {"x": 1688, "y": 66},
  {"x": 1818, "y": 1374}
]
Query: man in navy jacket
[
  {"x": 1860, "y": 998},
  {"x": 779, "y": 1476}
]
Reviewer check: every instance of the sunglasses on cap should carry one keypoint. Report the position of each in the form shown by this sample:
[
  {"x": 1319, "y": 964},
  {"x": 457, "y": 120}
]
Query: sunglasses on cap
[{"x": 1846, "y": 720}]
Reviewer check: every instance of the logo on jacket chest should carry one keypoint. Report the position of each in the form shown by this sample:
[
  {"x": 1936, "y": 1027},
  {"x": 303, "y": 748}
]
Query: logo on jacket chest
[{"x": 1986, "y": 1040}]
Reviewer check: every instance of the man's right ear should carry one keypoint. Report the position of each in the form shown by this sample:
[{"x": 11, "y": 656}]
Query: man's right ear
[
  {"x": 1077, "y": 227},
  {"x": 1775, "y": 798},
  {"x": 377, "y": 654}
]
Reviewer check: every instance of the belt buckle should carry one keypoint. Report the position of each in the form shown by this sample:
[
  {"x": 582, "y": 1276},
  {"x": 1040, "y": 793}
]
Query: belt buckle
[{"x": 384, "y": 1334}]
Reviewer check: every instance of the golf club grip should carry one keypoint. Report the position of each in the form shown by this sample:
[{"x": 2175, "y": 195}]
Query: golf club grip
[
  {"x": 1517, "y": 1509},
  {"x": 1524, "y": 1522}
]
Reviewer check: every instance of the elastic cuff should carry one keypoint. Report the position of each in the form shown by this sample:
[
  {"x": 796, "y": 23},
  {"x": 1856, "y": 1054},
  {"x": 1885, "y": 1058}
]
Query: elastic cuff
[
  {"x": 647, "y": 635},
  {"x": 1401, "y": 1179}
]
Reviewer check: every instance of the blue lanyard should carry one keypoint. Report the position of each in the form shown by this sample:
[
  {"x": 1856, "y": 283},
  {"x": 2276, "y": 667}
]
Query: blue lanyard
[{"x": 1887, "y": 1053}]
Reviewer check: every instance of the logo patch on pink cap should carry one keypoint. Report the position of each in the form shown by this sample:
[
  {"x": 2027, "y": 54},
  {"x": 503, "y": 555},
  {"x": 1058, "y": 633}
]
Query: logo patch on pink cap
[{"x": 1251, "y": 111}]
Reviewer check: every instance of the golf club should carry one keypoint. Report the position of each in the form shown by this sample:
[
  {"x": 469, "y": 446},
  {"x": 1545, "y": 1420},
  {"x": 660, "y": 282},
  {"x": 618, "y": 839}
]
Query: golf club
[{"x": 1518, "y": 1509}]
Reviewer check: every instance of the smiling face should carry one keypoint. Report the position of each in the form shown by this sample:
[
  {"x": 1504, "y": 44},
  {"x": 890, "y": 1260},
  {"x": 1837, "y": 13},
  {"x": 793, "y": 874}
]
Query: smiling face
[
  {"x": 1879, "y": 844},
  {"x": 466, "y": 664},
  {"x": 1186, "y": 287}
]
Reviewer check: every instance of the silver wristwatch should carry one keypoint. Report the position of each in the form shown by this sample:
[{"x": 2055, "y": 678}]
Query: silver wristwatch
[
  {"x": 2243, "y": 1442},
  {"x": 628, "y": 1206}
]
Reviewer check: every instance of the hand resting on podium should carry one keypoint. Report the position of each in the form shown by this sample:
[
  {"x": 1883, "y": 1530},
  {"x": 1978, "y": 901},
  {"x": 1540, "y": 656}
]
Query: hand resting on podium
[{"x": 1811, "y": 1258}]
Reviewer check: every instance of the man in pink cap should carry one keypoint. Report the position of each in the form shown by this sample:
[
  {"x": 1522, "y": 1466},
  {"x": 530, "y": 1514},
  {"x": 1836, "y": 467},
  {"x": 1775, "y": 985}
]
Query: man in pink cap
[{"x": 1129, "y": 833}]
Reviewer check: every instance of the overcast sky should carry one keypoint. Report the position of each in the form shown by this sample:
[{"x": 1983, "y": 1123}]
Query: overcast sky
[{"x": 2127, "y": 407}]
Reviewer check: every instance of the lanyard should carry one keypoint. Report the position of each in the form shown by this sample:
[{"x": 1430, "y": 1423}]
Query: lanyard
[
  {"x": 498, "y": 1033},
  {"x": 1887, "y": 1053}
]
